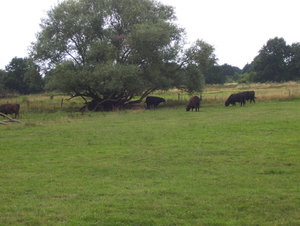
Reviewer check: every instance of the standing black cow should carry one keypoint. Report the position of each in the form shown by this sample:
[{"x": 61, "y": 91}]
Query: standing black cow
[
  {"x": 249, "y": 95},
  {"x": 10, "y": 109},
  {"x": 237, "y": 97},
  {"x": 154, "y": 101},
  {"x": 194, "y": 102}
]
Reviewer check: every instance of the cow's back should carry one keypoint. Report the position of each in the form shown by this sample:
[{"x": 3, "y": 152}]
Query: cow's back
[
  {"x": 154, "y": 101},
  {"x": 236, "y": 97},
  {"x": 194, "y": 102},
  {"x": 10, "y": 109},
  {"x": 249, "y": 95}
]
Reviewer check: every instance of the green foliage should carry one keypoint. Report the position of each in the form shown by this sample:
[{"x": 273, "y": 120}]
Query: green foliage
[
  {"x": 214, "y": 76},
  {"x": 270, "y": 63},
  {"x": 2, "y": 86},
  {"x": 233, "y": 166},
  {"x": 246, "y": 77},
  {"x": 230, "y": 73},
  {"x": 228, "y": 70},
  {"x": 277, "y": 62},
  {"x": 23, "y": 76},
  {"x": 202, "y": 54},
  {"x": 25, "y": 100},
  {"x": 113, "y": 49},
  {"x": 125, "y": 79},
  {"x": 247, "y": 68},
  {"x": 294, "y": 62},
  {"x": 194, "y": 79}
]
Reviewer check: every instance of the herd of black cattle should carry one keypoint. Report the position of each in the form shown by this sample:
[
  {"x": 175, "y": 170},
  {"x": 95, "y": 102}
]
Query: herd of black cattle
[
  {"x": 153, "y": 102},
  {"x": 241, "y": 98},
  {"x": 194, "y": 102}
]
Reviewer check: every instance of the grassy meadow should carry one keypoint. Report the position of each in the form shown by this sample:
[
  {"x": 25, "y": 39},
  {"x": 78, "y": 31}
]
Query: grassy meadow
[{"x": 220, "y": 166}]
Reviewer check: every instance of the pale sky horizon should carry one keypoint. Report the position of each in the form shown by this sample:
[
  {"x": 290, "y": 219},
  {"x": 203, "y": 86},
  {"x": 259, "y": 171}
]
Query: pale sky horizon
[{"x": 237, "y": 29}]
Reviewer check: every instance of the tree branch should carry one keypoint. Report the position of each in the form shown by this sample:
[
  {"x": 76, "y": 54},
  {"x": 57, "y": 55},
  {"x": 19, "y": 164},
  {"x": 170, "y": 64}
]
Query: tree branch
[
  {"x": 10, "y": 119},
  {"x": 73, "y": 57}
]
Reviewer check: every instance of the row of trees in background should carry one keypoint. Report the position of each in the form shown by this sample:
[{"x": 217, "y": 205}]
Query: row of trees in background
[
  {"x": 113, "y": 51},
  {"x": 276, "y": 62}
]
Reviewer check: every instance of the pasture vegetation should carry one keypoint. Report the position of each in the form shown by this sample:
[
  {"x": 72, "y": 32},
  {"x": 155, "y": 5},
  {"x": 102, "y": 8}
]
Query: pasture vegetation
[{"x": 220, "y": 166}]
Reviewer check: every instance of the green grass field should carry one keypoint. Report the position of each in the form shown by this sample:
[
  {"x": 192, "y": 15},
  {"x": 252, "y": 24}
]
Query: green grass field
[{"x": 220, "y": 166}]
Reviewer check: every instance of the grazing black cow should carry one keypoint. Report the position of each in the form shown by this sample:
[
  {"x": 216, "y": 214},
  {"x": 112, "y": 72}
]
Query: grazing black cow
[
  {"x": 249, "y": 95},
  {"x": 10, "y": 109},
  {"x": 237, "y": 97},
  {"x": 194, "y": 102},
  {"x": 153, "y": 101}
]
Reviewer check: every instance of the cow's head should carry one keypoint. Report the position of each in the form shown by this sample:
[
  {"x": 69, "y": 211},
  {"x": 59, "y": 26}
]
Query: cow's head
[{"x": 162, "y": 100}]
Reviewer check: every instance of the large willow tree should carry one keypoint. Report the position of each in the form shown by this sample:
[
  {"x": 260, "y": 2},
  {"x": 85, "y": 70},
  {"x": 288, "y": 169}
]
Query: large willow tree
[{"x": 114, "y": 50}]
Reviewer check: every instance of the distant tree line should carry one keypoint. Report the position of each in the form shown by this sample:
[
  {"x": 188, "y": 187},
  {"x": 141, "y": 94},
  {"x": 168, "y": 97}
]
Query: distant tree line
[{"x": 276, "y": 62}]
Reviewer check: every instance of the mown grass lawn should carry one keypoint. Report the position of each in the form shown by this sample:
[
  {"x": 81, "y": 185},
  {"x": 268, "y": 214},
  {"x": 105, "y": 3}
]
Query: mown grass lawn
[{"x": 221, "y": 166}]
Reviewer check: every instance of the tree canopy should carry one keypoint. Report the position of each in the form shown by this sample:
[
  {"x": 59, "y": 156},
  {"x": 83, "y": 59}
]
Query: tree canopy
[
  {"x": 21, "y": 76},
  {"x": 203, "y": 55},
  {"x": 277, "y": 62},
  {"x": 111, "y": 50}
]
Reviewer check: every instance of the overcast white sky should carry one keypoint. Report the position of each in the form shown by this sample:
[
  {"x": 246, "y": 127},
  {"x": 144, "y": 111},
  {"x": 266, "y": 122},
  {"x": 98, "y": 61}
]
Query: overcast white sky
[{"x": 236, "y": 28}]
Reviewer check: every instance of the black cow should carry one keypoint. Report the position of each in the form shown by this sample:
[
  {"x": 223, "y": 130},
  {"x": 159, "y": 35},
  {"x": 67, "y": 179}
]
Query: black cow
[
  {"x": 153, "y": 101},
  {"x": 10, "y": 109},
  {"x": 249, "y": 95},
  {"x": 194, "y": 102},
  {"x": 237, "y": 97}
]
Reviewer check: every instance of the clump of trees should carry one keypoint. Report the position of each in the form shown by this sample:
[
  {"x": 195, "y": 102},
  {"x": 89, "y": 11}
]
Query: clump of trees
[
  {"x": 276, "y": 62},
  {"x": 111, "y": 51},
  {"x": 230, "y": 73},
  {"x": 21, "y": 76}
]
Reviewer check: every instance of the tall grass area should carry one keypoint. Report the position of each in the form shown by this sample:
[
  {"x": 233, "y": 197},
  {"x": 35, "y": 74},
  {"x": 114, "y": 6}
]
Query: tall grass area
[
  {"x": 213, "y": 95},
  {"x": 220, "y": 166}
]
